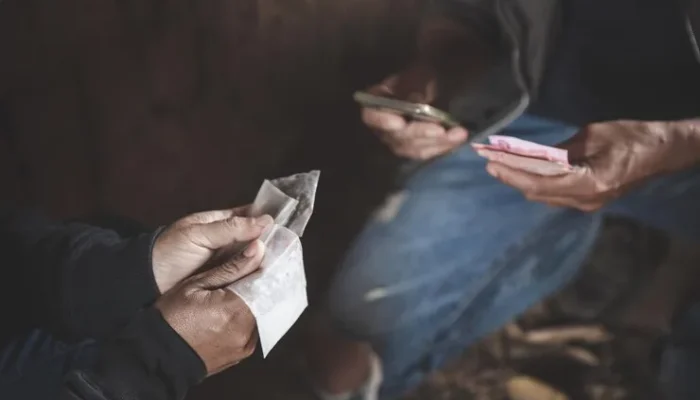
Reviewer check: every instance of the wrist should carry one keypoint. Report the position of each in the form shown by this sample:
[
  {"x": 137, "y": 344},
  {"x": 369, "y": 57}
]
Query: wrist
[
  {"x": 146, "y": 359},
  {"x": 683, "y": 143}
]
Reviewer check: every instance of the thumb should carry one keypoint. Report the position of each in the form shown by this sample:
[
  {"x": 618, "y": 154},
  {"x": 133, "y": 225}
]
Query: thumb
[
  {"x": 225, "y": 232},
  {"x": 233, "y": 269},
  {"x": 578, "y": 146}
]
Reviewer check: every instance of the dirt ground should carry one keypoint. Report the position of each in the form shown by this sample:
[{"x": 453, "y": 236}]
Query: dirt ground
[{"x": 154, "y": 108}]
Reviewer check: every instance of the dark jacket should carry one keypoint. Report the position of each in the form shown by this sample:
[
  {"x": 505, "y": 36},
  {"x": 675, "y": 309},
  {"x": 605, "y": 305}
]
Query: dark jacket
[
  {"x": 525, "y": 32},
  {"x": 79, "y": 282}
]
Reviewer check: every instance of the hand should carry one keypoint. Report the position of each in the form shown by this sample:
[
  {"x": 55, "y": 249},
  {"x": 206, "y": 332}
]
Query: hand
[
  {"x": 212, "y": 319},
  {"x": 415, "y": 140},
  {"x": 610, "y": 158},
  {"x": 449, "y": 56},
  {"x": 190, "y": 243}
]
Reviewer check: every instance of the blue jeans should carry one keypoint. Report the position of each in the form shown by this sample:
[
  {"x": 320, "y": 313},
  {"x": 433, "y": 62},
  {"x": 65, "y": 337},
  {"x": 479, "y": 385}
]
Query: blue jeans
[{"x": 456, "y": 254}]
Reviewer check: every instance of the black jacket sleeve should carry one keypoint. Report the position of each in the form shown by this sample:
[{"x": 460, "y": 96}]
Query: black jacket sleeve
[
  {"x": 77, "y": 280},
  {"x": 147, "y": 360}
]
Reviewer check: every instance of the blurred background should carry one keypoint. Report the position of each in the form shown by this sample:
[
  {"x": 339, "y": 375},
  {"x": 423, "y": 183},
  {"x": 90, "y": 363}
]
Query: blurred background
[{"x": 152, "y": 109}]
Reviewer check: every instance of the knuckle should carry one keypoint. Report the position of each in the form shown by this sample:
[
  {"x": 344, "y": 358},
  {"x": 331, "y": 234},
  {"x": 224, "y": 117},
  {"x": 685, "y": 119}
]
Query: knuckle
[
  {"x": 219, "y": 319},
  {"x": 238, "y": 222},
  {"x": 243, "y": 316},
  {"x": 600, "y": 186},
  {"x": 188, "y": 231},
  {"x": 378, "y": 120},
  {"x": 497, "y": 156},
  {"x": 240, "y": 314},
  {"x": 192, "y": 233},
  {"x": 241, "y": 339},
  {"x": 233, "y": 265},
  {"x": 248, "y": 351},
  {"x": 390, "y": 138}
]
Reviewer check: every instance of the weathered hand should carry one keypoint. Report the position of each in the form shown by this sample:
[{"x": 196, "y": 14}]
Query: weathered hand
[
  {"x": 411, "y": 139},
  {"x": 449, "y": 56},
  {"x": 610, "y": 159},
  {"x": 212, "y": 319},
  {"x": 188, "y": 244}
]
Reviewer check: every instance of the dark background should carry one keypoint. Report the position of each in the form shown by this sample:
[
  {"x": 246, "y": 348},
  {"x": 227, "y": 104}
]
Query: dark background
[{"x": 152, "y": 109}]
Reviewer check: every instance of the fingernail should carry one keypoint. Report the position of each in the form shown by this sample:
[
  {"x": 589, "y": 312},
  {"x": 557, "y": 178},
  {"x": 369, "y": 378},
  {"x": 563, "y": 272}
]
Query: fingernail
[
  {"x": 263, "y": 221},
  {"x": 252, "y": 249}
]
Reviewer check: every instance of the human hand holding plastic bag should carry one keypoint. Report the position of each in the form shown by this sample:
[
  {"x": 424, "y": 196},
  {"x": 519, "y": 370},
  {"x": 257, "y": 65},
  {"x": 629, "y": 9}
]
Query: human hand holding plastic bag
[{"x": 276, "y": 294}]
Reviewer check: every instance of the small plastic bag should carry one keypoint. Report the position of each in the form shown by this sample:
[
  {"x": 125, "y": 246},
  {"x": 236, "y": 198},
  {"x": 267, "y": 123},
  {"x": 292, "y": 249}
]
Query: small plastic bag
[{"x": 276, "y": 294}]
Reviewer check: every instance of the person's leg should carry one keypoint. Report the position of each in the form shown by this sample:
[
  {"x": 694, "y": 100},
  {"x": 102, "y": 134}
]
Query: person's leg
[
  {"x": 32, "y": 364},
  {"x": 447, "y": 260},
  {"x": 680, "y": 358},
  {"x": 669, "y": 203}
]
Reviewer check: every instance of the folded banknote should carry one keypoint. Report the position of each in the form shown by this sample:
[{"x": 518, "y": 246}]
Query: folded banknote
[{"x": 526, "y": 156}]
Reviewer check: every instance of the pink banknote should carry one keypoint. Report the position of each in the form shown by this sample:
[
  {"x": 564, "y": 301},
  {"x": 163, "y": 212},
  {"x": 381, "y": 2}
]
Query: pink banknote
[
  {"x": 527, "y": 156},
  {"x": 529, "y": 149}
]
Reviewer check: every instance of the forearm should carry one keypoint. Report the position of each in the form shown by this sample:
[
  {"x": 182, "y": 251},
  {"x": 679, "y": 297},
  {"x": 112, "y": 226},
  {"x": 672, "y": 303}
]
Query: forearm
[
  {"x": 146, "y": 360},
  {"x": 683, "y": 141},
  {"x": 85, "y": 281}
]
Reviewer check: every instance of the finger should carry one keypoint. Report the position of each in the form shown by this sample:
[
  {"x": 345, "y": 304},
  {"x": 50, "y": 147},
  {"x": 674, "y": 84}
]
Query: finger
[
  {"x": 578, "y": 204},
  {"x": 421, "y": 130},
  {"x": 383, "y": 121},
  {"x": 206, "y": 217},
  {"x": 428, "y": 130},
  {"x": 423, "y": 148},
  {"x": 527, "y": 164},
  {"x": 570, "y": 185},
  {"x": 457, "y": 135},
  {"x": 249, "y": 348},
  {"x": 233, "y": 269},
  {"x": 424, "y": 152},
  {"x": 578, "y": 146},
  {"x": 223, "y": 233},
  {"x": 451, "y": 138},
  {"x": 415, "y": 145}
]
